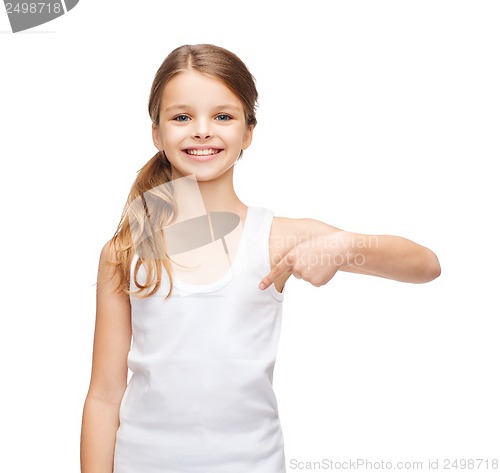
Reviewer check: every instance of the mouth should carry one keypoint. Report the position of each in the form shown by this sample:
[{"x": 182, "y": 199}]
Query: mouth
[{"x": 202, "y": 154}]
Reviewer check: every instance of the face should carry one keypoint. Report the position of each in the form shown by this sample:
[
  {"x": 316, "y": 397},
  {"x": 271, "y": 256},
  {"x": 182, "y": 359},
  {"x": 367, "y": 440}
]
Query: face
[{"x": 202, "y": 126}]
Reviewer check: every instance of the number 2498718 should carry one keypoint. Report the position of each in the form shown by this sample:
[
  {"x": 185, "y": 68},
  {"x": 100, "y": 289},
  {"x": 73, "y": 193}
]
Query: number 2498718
[{"x": 33, "y": 8}]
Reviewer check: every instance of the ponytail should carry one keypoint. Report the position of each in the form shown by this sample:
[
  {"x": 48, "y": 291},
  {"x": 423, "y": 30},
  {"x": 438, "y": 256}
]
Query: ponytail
[{"x": 149, "y": 208}]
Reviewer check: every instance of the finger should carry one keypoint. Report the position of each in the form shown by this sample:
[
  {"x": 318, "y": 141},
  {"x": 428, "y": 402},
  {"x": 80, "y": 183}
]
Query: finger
[{"x": 286, "y": 264}]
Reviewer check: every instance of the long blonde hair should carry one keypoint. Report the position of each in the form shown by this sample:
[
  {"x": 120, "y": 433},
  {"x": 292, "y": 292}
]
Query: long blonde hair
[{"x": 150, "y": 205}]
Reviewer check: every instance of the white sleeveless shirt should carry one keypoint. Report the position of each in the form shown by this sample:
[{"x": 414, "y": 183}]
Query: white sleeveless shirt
[{"x": 200, "y": 399}]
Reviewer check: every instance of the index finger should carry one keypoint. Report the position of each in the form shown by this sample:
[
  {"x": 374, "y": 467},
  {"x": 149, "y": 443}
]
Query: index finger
[{"x": 286, "y": 264}]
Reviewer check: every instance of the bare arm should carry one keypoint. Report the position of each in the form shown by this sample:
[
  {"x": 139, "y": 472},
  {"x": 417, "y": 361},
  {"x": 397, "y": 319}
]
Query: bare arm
[
  {"x": 315, "y": 251},
  {"x": 112, "y": 338},
  {"x": 388, "y": 256}
]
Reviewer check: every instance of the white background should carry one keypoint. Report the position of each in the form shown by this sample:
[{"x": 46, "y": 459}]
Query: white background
[{"x": 379, "y": 117}]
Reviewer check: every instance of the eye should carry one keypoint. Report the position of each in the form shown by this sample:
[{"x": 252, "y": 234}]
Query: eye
[
  {"x": 181, "y": 118},
  {"x": 223, "y": 117}
]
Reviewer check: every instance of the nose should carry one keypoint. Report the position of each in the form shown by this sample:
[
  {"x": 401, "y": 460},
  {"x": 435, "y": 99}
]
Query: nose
[{"x": 202, "y": 129}]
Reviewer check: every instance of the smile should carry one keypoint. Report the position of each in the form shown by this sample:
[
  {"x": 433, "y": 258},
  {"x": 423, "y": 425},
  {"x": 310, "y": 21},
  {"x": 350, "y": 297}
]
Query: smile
[{"x": 202, "y": 152}]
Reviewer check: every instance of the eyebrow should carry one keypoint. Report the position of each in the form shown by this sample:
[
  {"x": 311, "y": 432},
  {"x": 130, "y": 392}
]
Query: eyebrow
[
  {"x": 173, "y": 107},
  {"x": 187, "y": 107}
]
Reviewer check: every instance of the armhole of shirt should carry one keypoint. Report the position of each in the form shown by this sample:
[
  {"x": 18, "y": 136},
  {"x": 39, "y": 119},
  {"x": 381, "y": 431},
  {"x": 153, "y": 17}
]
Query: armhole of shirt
[{"x": 266, "y": 253}]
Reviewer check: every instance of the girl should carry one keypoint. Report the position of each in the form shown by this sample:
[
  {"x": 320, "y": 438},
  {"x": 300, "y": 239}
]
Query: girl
[{"x": 197, "y": 278}]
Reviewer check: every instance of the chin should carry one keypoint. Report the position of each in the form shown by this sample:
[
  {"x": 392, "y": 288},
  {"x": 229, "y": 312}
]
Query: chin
[
  {"x": 202, "y": 175},
  {"x": 205, "y": 177}
]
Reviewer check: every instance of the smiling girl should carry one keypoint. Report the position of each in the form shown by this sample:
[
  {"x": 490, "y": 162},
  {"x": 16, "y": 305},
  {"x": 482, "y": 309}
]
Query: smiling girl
[{"x": 200, "y": 295}]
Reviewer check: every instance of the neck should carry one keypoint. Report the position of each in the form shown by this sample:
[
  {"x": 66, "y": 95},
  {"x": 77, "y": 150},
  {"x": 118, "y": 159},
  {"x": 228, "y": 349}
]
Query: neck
[{"x": 195, "y": 198}]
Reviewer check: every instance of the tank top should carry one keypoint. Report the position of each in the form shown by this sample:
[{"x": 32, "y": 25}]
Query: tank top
[{"x": 201, "y": 397}]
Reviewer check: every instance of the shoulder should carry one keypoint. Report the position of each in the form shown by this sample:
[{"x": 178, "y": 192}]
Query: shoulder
[{"x": 108, "y": 252}]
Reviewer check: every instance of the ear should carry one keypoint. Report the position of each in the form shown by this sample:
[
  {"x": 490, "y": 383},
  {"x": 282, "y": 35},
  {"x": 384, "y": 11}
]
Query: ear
[
  {"x": 247, "y": 139},
  {"x": 156, "y": 137}
]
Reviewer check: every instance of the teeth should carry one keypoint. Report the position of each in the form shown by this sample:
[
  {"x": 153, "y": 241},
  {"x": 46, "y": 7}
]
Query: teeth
[{"x": 202, "y": 152}]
